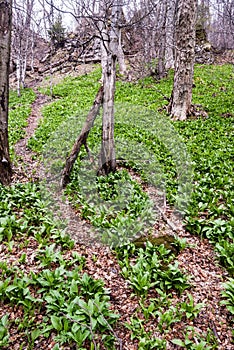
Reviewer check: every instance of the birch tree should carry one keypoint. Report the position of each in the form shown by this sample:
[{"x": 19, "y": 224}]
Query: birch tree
[
  {"x": 185, "y": 33},
  {"x": 5, "y": 39}
]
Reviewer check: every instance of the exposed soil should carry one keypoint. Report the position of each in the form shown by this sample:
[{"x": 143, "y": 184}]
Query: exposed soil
[
  {"x": 198, "y": 261},
  {"x": 27, "y": 168}
]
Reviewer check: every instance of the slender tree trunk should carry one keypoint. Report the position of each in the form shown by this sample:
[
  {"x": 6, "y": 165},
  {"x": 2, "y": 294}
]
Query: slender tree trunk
[
  {"x": 32, "y": 51},
  {"x": 169, "y": 55},
  {"x": 185, "y": 29},
  {"x": 5, "y": 39},
  {"x": 161, "y": 71},
  {"x": 25, "y": 60},
  {"x": 121, "y": 61},
  {"x": 18, "y": 74}
]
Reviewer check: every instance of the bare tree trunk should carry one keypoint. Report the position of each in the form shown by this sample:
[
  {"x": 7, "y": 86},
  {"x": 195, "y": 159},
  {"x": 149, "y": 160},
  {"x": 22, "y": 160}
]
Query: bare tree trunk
[
  {"x": 19, "y": 73},
  {"x": 185, "y": 23},
  {"x": 81, "y": 140},
  {"x": 21, "y": 38},
  {"x": 161, "y": 71},
  {"x": 109, "y": 46},
  {"x": 169, "y": 54},
  {"x": 5, "y": 40},
  {"x": 32, "y": 51},
  {"x": 121, "y": 61},
  {"x": 24, "y": 61}
]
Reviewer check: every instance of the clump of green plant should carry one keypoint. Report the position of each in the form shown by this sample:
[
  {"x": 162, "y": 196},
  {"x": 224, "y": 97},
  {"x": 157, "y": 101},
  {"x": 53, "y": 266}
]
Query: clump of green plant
[
  {"x": 189, "y": 309},
  {"x": 166, "y": 318},
  {"x": 146, "y": 339},
  {"x": 148, "y": 343},
  {"x": 75, "y": 307},
  {"x": 225, "y": 249},
  {"x": 228, "y": 294},
  {"x": 115, "y": 204},
  {"x": 24, "y": 212},
  {"x": 194, "y": 341},
  {"x": 4, "y": 334},
  {"x": 149, "y": 268},
  {"x": 19, "y": 111}
]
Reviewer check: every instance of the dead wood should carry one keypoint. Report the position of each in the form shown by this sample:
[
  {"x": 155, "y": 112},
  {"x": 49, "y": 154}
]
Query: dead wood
[{"x": 82, "y": 138}]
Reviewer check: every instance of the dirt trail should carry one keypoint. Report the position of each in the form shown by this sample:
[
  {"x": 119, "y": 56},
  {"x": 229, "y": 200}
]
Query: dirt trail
[
  {"x": 26, "y": 168},
  {"x": 198, "y": 260}
]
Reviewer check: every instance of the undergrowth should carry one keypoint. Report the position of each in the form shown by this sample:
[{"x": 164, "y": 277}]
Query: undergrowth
[
  {"x": 58, "y": 300},
  {"x": 57, "y": 297},
  {"x": 71, "y": 311},
  {"x": 210, "y": 211},
  {"x": 19, "y": 111}
]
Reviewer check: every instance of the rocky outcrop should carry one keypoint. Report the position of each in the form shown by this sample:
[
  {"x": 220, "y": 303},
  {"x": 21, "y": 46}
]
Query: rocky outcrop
[
  {"x": 204, "y": 53},
  {"x": 203, "y": 48}
]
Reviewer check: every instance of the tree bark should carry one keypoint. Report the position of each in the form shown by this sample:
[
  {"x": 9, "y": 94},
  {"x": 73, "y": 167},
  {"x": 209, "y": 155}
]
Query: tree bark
[
  {"x": 121, "y": 60},
  {"x": 185, "y": 29},
  {"x": 109, "y": 47},
  {"x": 169, "y": 55},
  {"x": 5, "y": 40},
  {"x": 81, "y": 140},
  {"x": 21, "y": 39},
  {"x": 161, "y": 69}
]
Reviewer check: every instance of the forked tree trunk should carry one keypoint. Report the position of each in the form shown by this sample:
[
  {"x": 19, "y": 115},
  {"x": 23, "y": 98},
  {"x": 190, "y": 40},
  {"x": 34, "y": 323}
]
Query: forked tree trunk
[
  {"x": 5, "y": 39},
  {"x": 109, "y": 30},
  {"x": 82, "y": 138},
  {"x": 185, "y": 27}
]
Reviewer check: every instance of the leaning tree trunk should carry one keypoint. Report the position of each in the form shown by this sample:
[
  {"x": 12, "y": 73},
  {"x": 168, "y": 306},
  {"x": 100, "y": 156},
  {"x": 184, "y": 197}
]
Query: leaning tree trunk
[
  {"x": 5, "y": 39},
  {"x": 109, "y": 46},
  {"x": 185, "y": 28},
  {"x": 82, "y": 138}
]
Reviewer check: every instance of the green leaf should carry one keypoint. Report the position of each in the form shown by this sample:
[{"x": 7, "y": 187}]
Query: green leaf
[
  {"x": 93, "y": 323},
  {"x": 101, "y": 320},
  {"x": 74, "y": 287},
  {"x": 178, "y": 342},
  {"x": 35, "y": 334},
  {"x": 56, "y": 323}
]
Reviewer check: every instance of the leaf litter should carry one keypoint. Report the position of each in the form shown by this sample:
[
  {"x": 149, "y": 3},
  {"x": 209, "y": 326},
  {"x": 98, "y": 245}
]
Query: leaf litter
[{"x": 198, "y": 260}]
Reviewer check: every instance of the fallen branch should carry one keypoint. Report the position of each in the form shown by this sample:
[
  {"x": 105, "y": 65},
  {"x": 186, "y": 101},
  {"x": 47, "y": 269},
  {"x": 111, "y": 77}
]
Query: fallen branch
[
  {"x": 214, "y": 329},
  {"x": 81, "y": 140},
  {"x": 110, "y": 328}
]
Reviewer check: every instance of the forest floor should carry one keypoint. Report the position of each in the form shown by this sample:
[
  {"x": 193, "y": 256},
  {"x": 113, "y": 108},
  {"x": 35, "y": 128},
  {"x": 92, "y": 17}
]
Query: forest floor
[{"x": 198, "y": 260}]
